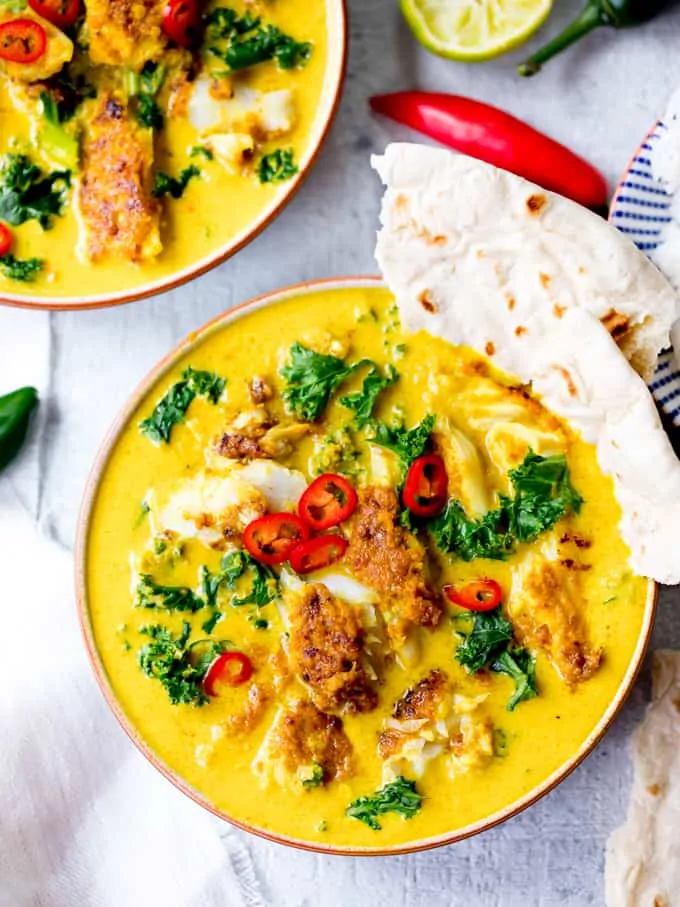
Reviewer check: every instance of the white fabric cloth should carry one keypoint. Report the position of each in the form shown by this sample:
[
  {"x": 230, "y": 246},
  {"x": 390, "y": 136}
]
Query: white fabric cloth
[{"x": 84, "y": 819}]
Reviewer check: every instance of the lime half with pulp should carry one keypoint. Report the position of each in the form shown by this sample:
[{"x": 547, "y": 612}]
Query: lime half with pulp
[{"x": 474, "y": 30}]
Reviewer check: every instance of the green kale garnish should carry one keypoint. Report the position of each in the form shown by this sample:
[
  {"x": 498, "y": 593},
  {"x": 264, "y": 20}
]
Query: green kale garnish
[
  {"x": 248, "y": 42},
  {"x": 27, "y": 194},
  {"x": 209, "y": 625},
  {"x": 264, "y": 586},
  {"x": 407, "y": 443},
  {"x": 170, "y": 661},
  {"x": 277, "y": 166},
  {"x": 63, "y": 96},
  {"x": 491, "y": 633},
  {"x": 202, "y": 151},
  {"x": 150, "y": 594},
  {"x": 174, "y": 186},
  {"x": 172, "y": 408},
  {"x": 316, "y": 777},
  {"x": 311, "y": 379},
  {"x": 467, "y": 538},
  {"x": 490, "y": 645},
  {"x": 399, "y": 796},
  {"x": 147, "y": 85},
  {"x": 520, "y": 665},
  {"x": 24, "y": 269},
  {"x": 543, "y": 494},
  {"x": 364, "y": 400}
]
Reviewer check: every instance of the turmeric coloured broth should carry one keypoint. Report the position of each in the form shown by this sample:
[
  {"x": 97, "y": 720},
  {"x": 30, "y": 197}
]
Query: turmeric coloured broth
[
  {"x": 144, "y": 110},
  {"x": 348, "y": 730}
]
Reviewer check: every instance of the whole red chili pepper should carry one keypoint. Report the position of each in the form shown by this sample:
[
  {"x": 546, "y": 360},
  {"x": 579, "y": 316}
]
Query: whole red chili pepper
[{"x": 490, "y": 134}]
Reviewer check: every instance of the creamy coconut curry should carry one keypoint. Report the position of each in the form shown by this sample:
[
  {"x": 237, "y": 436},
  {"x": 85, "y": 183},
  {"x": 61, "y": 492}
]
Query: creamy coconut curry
[
  {"x": 352, "y": 585},
  {"x": 140, "y": 138}
]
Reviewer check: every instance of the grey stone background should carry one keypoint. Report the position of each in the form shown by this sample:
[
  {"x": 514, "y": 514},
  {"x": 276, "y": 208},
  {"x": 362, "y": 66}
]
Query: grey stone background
[{"x": 599, "y": 98}]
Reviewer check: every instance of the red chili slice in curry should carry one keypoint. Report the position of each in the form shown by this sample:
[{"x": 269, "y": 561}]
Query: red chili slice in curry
[
  {"x": 477, "y": 595},
  {"x": 62, "y": 13},
  {"x": 232, "y": 668},
  {"x": 5, "y": 240},
  {"x": 318, "y": 553},
  {"x": 426, "y": 486},
  {"x": 270, "y": 539},
  {"x": 22, "y": 41},
  {"x": 182, "y": 22},
  {"x": 328, "y": 501}
]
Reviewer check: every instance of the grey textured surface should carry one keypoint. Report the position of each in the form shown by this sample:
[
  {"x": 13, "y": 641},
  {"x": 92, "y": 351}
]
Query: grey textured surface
[{"x": 600, "y": 99}]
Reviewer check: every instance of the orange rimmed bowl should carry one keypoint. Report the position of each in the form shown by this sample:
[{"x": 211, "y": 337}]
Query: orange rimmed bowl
[
  {"x": 133, "y": 290},
  {"x": 81, "y": 564}
]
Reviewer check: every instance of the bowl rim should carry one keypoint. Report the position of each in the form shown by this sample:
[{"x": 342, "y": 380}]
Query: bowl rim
[
  {"x": 225, "y": 252},
  {"x": 80, "y": 563}
]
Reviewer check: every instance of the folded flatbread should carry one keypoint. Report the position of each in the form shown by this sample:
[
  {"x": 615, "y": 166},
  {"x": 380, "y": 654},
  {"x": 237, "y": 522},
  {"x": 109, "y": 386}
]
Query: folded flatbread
[
  {"x": 643, "y": 856},
  {"x": 553, "y": 295}
]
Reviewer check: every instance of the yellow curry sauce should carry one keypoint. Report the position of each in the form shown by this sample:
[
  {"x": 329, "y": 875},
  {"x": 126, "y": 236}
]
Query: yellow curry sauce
[
  {"x": 238, "y": 119},
  {"x": 205, "y": 745}
]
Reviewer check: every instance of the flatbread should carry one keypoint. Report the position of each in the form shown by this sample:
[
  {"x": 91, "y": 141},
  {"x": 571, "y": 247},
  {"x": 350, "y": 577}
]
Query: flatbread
[
  {"x": 485, "y": 259},
  {"x": 643, "y": 856}
]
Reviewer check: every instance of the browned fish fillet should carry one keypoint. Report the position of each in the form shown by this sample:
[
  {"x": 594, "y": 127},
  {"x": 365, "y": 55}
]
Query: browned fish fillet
[
  {"x": 546, "y": 615},
  {"x": 120, "y": 216}
]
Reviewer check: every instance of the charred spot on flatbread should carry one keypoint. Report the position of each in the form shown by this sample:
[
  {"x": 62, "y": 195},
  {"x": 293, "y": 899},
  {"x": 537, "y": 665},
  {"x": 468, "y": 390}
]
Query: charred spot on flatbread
[{"x": 536, "y": 203}]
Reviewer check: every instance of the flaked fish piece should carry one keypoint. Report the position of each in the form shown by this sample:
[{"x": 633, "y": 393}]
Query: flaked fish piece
[
  {"x": 431, "y": 720},
  {"x": 125, "y": 32},
  {"x": 120, "y": 217},
  {"x": 303, "y": 748}
]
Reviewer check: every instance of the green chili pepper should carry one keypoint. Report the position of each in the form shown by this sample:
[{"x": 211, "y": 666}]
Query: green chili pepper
[
  {"x": 596, "y": 13},
  {"x": 15, "y": 414}
]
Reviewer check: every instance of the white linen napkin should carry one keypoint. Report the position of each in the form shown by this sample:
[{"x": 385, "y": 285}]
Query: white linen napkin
[{"x": 84, "y": 819}]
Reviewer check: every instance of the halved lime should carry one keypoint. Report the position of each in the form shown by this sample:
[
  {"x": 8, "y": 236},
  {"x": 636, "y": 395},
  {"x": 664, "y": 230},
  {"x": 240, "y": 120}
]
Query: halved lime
[{"x": 474, "y": 30}]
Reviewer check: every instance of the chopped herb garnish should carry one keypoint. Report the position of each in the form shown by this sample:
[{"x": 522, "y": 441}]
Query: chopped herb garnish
[
  {"x": 364, "y": 400},
  {"x": 311, "y": 378},
  {"x": 144, "y": 510},
  {"x": 150, "y": 594},
  {"x": 248, "y": 42},
  {"x": 543, "y": 495},
  {"x": 27, "y": 194},
  {"x": 144, "y": 88},
  {"x": 174, "y": 186},
  {"x": 491, "y": 633},
  {"x": 336, "y": 452},
  {"x": 490, "y": 645},
  {"x": 169, "y": 660},
  {"x": 209, "y": 625},
  {"x": 239, "y": 565},
  {"x": 277, "y": 166},
  {"x": 261, "y": 624},
  {"x": 407, "y": 443},
  {"x": 202, "y": 151},
  {"x": 500, "y": 743},
  {"x": 172, "y": 408},
  {"x": 399, "y": 796},
  {"x": 24, "y": 269},
  {"x": 315, "y": 778},
  {"x": 520, "y": 665}
]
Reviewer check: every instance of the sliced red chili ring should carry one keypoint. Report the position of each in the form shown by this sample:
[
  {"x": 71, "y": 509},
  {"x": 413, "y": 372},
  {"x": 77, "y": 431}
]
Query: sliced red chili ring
[
  {"x": 22, "y": 41},
  {"x": 6, "y": 239},
  {"x": 62, "y": 13},
  {"x": 270, "y": 539},
  {"x": 477, "y": 595},
  {"x": 328, "y": 501},
  {"x": 318, "y": 553},
  {"x": 426, "y": 486},
  {"x": 182, "y": 22},
  {"x": 232, "y": 668}
]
